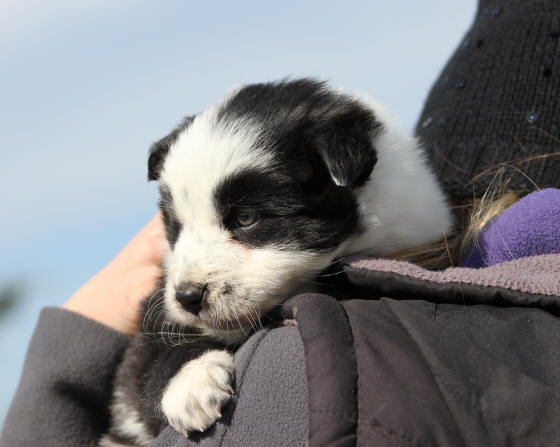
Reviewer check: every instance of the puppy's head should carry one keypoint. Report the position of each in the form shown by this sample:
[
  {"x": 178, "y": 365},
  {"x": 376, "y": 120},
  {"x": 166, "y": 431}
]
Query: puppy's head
[{"x": 257, "y": 195}]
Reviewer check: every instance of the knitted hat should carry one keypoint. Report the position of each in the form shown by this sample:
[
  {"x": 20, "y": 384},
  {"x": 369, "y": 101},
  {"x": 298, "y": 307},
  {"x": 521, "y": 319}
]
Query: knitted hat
[{"x": 498, "y": 101}]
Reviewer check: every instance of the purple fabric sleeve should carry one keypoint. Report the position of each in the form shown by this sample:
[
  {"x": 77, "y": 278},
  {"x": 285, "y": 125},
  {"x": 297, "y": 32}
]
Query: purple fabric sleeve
[{"x": 529, "y": 227}]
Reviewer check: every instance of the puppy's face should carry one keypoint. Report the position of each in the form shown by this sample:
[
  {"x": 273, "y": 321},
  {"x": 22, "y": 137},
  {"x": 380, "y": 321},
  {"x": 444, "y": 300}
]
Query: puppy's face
[{"x": 257, "y": 195}]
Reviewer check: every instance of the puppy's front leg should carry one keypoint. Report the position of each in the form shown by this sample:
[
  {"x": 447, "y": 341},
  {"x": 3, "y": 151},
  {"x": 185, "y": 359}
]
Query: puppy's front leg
[{"x": 193, "y": 398}]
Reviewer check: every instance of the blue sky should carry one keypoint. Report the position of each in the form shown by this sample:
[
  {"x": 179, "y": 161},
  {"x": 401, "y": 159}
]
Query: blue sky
[{"x": 86, "y": 87}]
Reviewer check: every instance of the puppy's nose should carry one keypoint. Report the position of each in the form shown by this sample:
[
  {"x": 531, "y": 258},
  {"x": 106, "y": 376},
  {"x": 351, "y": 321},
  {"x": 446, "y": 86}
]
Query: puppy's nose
[{"x": 190, "y": 296}]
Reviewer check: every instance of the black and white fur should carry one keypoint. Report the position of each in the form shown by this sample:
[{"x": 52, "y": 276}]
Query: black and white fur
[{"x": 259, "y": 194}]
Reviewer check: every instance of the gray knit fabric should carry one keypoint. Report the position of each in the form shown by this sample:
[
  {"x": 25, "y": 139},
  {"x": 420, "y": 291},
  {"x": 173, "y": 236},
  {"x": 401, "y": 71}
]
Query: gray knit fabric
[{"x": 498, "y": 101}]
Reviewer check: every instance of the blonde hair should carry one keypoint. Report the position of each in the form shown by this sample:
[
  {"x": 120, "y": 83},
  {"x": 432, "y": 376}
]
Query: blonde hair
[{"x": 471, "y": 216}]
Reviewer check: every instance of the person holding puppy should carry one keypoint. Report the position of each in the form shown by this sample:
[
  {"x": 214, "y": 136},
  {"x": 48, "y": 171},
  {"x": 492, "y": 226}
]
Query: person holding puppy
[{"x": 461, "y": 356}]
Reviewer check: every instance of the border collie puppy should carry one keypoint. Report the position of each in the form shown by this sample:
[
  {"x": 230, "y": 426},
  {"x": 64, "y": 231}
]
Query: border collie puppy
[{"x": 259, "y": 194}]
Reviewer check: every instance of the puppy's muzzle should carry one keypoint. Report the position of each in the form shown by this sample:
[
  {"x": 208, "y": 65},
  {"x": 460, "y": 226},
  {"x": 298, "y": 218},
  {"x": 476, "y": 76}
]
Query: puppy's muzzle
[{"x": 191, "y": 296}]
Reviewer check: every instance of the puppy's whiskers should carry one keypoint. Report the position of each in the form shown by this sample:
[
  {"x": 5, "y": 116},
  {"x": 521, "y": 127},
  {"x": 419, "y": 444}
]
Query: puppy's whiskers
[
  {"x": 151, "y": 305},
  {"x": 234, "y": 311}
]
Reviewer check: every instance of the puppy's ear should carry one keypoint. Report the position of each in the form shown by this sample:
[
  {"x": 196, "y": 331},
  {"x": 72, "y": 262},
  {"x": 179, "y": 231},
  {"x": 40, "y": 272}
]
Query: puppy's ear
[
  {"x": 160, "y": 149},
  {"x": 345, "y": 144}
]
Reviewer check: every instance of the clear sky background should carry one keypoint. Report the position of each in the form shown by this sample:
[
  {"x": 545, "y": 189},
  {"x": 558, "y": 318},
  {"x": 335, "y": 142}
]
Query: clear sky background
[{"x": 86, "y": 87}]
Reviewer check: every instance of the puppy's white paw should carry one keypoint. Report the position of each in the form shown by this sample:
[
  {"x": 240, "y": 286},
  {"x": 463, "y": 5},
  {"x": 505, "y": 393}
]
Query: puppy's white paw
[{"x": 194, "y": 397}]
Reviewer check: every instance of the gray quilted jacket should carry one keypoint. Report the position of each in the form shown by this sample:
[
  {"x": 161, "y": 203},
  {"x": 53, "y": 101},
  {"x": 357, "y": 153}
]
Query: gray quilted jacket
[{"x": 462, "y": 357}]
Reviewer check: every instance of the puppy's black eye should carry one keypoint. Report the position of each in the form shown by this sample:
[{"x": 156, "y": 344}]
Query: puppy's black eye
[{"x": 245, "y": 219}]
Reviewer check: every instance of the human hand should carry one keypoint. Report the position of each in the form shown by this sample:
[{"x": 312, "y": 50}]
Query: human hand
[{"x": 113, "y": 295}]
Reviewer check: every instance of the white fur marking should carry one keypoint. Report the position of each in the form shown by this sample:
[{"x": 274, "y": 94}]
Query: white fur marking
[
  {"x": 130, "y": 424},
  {"x": 194, "y": 397},
  {"x": 402, "y": 205}
]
